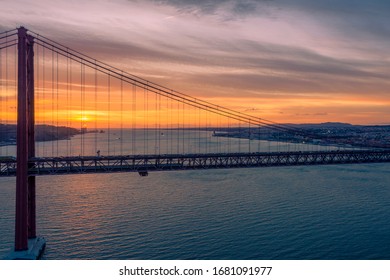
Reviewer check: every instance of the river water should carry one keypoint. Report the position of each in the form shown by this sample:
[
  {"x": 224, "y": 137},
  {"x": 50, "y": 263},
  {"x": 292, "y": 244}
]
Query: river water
[{"x": 306, "y": 212}]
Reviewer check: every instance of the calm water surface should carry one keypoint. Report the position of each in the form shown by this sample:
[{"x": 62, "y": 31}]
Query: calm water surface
[{"x": 317, "y": 212}]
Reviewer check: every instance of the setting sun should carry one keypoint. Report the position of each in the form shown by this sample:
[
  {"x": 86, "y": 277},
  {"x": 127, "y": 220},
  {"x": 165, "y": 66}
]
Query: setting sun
[{"x": 83, "y": 118}]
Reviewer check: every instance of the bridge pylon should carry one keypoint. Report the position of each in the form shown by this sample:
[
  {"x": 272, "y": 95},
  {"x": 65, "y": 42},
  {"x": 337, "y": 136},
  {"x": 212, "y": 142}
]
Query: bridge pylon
[{"x": 27, "y": 244}]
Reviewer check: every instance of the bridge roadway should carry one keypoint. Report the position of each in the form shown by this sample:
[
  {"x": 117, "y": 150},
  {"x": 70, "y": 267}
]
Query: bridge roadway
[{"x": 145, "y": 163}]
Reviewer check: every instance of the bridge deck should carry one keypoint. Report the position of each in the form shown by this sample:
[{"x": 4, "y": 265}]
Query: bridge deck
[{"x": 144, "y": 163}]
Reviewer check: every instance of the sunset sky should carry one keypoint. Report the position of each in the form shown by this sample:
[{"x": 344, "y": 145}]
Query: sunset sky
[{"x": 295, "y": 61}]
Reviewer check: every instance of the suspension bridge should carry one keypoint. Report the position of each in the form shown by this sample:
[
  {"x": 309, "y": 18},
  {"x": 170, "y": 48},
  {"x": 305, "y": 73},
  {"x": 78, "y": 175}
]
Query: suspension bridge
[{"x": 63, "y": 112}]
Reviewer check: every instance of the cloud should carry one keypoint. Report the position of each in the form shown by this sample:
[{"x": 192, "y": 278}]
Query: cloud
[
  {"x": 224, "y": 9},
  {"x": 312, "y": 114},
  {"x": 280, "y": 49},
  {"x": 358, "y": 19}
]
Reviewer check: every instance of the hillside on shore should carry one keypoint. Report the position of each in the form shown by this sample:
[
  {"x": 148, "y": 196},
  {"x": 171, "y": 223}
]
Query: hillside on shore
[{"x": 42, "y": 133}]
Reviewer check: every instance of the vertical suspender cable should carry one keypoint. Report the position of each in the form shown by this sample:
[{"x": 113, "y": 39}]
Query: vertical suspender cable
[
  {"x": 258, "y": 138},
  {"x": 207, "y": 130},
  {"x": 132, "y": 131},
  {"x": 170, "y": 125},
  {"x": 52, "y": 101},
  {"x": 15, "y": 85},
  {"x": 145, "y": 120},
  {"x": 155, "y": 124},
  {"x": 228, "y": 136},
  {"x": 70, "y": 99},
  {"x": 121, "y": 143},
  {"x": 82, "y": 110},
  {"x": 183, "y": 129},
  {"x": 178, "y": 128},
  {"x": 218, "y": 125},
  {"x": 249, "y": 136},
  {"x": 6, "y": 96},
  {"x": 136, "y": 128},
  {"x": 96, "y": 109},
  {"x": 57, "y": 107},
  {"x": 133, "y": 114},
  {"x": 43, "y": 101},
  {"x": 36, "y": 92},
  {"x": 67, "y": 105},
  {"x": 159, "y": 123},
  {"x": 170, "y": 141},
  {"x": 168, "y": 118},
  {"x": 198, "y": 111},
  {"x": 239, "y": 136},
  {"x": 109, "y": 113}
]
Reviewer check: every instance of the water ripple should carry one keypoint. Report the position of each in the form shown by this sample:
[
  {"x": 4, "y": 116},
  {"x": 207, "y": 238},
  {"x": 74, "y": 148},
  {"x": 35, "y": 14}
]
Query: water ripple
[{"x": 327, "y": 212}]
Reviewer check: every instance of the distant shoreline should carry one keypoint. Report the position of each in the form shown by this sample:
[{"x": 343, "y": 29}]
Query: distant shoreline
[
  {"x": 324, "y": 134},
  {"x": 42, "y": 133}
]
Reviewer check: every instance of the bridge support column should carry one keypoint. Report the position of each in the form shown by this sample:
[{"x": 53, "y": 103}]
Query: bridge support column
[
  {"x": 27, "y": 245},
  {"x": 31, "y": 136},
  {"x": 21, "y": 218}
]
